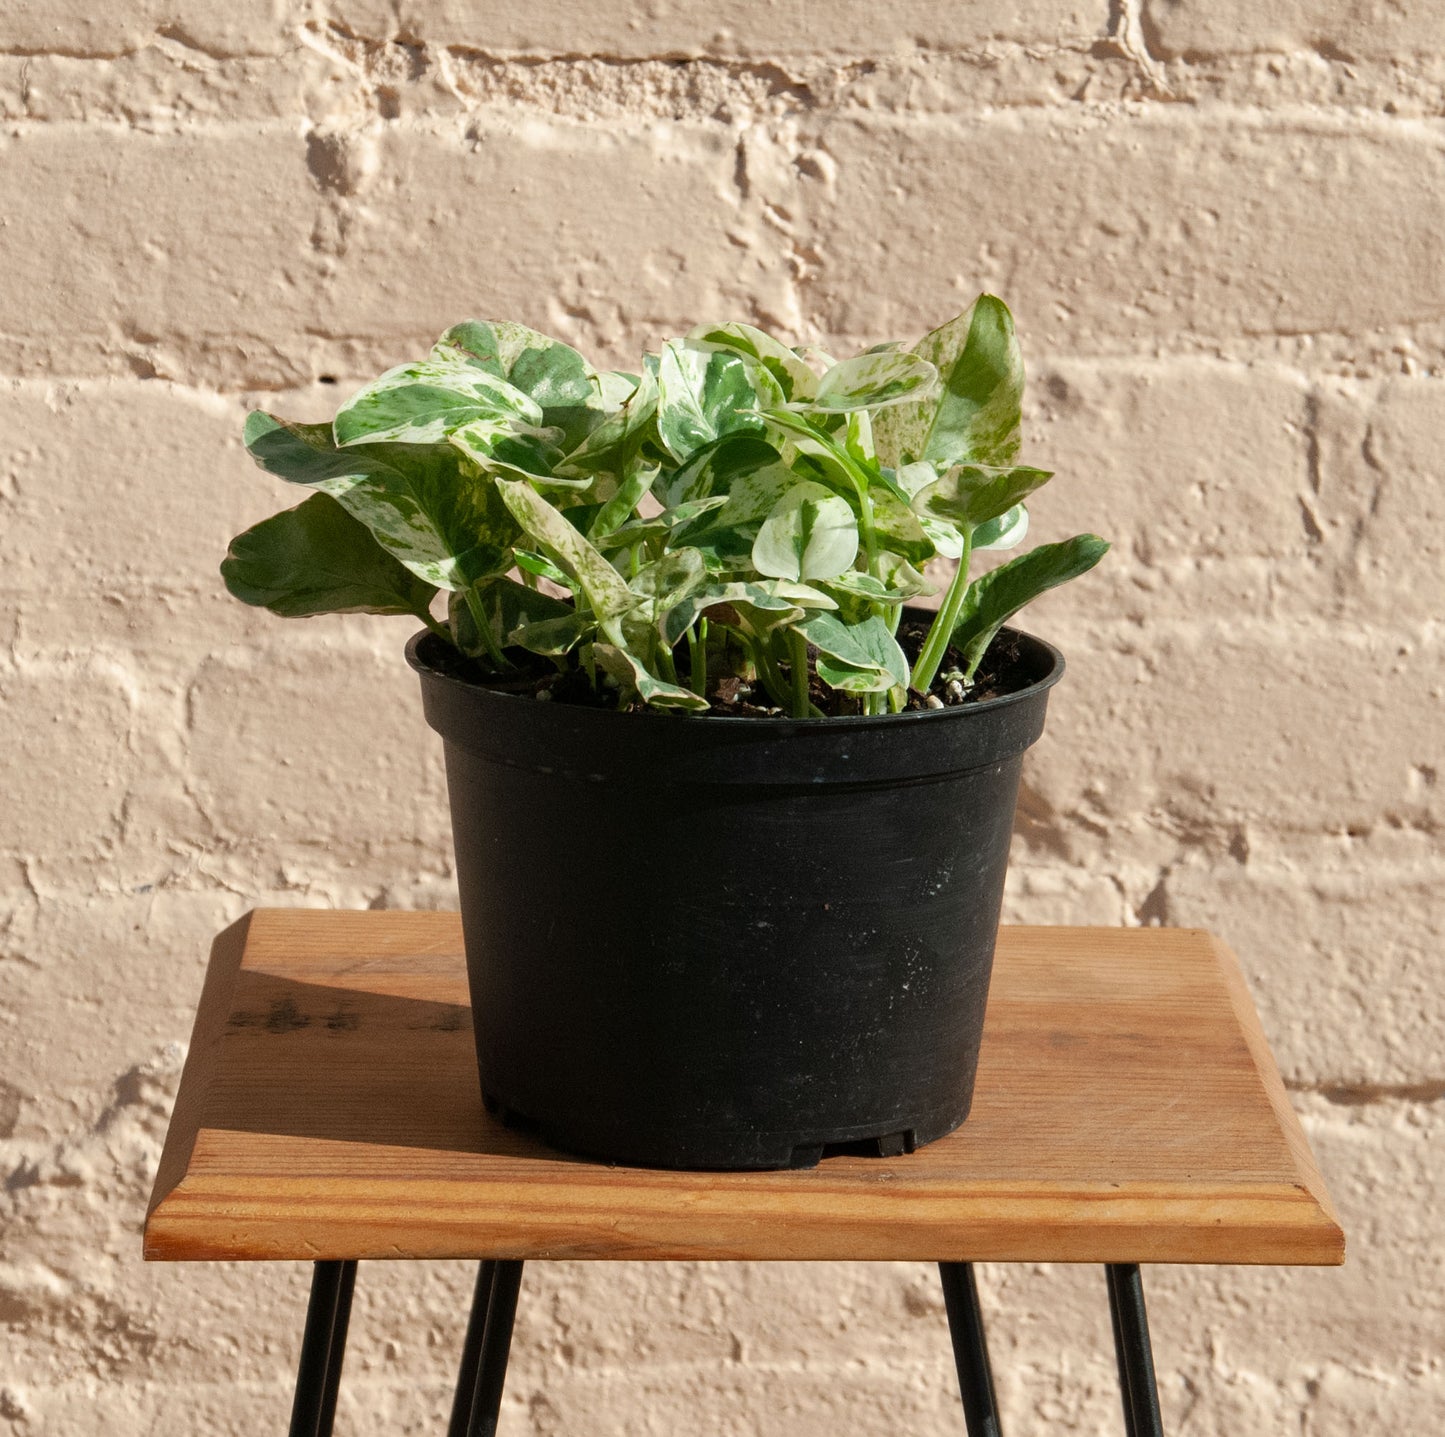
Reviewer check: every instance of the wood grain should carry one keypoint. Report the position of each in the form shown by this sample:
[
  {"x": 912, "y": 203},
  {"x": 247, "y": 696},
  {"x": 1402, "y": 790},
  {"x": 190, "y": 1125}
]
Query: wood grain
[{"x": 1127, "y": 1110}]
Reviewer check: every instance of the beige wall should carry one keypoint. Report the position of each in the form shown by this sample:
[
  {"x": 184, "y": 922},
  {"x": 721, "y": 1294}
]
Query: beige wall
[{"x": 1221, "y": 233}]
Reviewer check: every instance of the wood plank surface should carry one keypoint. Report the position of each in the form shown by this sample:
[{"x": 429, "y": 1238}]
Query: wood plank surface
[{"x": 1127, "y": 1110}]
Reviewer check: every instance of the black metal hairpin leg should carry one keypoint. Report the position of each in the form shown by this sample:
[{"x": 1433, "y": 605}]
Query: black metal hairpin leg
[
  {"x": 970, "y": 1350},
  {"x": 1136, "y": 1356},
  {"x": 478, "y": 1401},
  {"x": 323, "y": 1346}
]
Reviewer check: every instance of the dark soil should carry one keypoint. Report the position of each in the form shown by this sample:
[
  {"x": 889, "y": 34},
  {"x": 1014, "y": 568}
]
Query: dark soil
[{"x": 731, "y": 696}]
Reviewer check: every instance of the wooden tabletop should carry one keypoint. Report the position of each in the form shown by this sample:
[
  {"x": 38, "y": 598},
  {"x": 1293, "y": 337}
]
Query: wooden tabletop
[{"x": 1127, "y": 1109}]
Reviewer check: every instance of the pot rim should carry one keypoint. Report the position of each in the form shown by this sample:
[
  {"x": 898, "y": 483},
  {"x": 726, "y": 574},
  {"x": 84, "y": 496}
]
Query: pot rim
[{"x": 778, "y": 726}]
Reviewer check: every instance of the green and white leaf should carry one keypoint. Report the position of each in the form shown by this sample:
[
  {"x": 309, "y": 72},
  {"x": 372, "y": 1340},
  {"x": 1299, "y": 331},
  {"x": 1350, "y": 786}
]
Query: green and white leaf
[
  {"x": 605, "y": 590},
  {"x": 967, "y": 495},
  {"x": 632, "y": 675},
  {"x": 637, "y": 481},
  {"x": 666, "y": 525},
  {"x": 423, "y": 403},
  {"x": 1005, "y": 532},
  {"x": 810, "y": 534},
  {"x": 614, "y": 440},
  {"x": 552, "y": 374},
  {"x": 425, "y": 504},
  {"x": 796, "y": 379},
  {"x": 865, "y": 646},
  {"x": 665, "y": 582},
  {"x": 510, "y": 608},
  {"x": 995, "y": 597},
  {"x": 508, "y": 446},
  {"x": 759, "y": 607},
  {"x": 899, "y": 529},
  {"x": 541, "y": 566},
  {"x": 554, "y": 637},
  {"x": 873, "y": 381},
  {"x": 975, "y": 417},
  {"x": 317, "y": 559},
  {"x": 705, "y": 393},
  {"x": 717, "y": 466}
]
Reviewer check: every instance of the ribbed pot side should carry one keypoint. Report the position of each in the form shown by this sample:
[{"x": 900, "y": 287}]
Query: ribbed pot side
[{"x": 724, "y": 943}]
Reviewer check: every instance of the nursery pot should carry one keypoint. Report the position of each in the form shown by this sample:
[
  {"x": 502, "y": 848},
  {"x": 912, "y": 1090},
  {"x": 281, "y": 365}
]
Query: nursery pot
[{"x": 703, "y": 942}]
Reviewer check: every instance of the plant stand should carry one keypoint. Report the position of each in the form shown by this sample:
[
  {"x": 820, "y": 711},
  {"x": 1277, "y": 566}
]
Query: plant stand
[{"x": 1127, "y": 1110}]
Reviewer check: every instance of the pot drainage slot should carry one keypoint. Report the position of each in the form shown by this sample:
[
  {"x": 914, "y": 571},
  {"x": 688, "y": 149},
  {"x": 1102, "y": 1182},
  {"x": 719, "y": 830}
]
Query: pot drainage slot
[{"x": 887, "y": 1145}]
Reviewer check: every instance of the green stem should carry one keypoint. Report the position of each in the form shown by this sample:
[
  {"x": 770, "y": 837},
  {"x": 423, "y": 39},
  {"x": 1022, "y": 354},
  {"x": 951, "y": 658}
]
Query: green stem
[
  {"x": 484, "y": 629},
  {"x": 665, "y": 664},
  {"x": 436, "y": 628},
  {"x": 798, "y": 659},
  {"x": 768, "y": 673},
  {"x": 697, "y": 658},
  {"x": 941, "y": 632},
  {"x": 868, "y": 532}
]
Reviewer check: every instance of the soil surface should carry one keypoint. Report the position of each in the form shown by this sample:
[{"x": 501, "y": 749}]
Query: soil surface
[{"x": 731, "y": 696}]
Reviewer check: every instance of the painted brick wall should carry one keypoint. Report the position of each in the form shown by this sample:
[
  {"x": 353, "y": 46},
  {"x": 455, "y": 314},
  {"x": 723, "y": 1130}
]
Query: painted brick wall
[{"x": 1219, "y": 225}]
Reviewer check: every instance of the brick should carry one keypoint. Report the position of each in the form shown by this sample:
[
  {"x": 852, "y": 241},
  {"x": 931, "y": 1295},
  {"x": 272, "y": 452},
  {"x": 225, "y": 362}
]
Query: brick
[
  {"x": 320, "y": 746},
  {"x": 1197, "y": 729},
  {"x": 72, "y": 27},
  {"x": 733, "y": 28},
  {"x": 1379, "y": 472},
  {"x": 137, "y": 284},
  {"x": 68, "y": 729},
  {"x": 614, "y": 266},
  {"x": 148, "y": 481},
  {"x": 1387, "y": 29},
  {"x": 1130, "y": 230},
  {"x": 1339, "y": 950}
]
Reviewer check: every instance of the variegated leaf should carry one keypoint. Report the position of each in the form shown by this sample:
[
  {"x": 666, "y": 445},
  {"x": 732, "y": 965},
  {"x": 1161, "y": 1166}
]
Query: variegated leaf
[
  {"x": 612, "y": 443},
  {"x": 1005, "y": 532},
  {"x": 995, "y": 597},
  {"x": 511, "y": 608},
  {"x": 507, "y": 446},
  {"x": 758, "y": 606},
  {"x": 975, "y": 418},
  {"x": 868, "y": 645},
  {"x": 968, "y": 495},
  {"x": 873, "y": 381},
  {"x": 810, "y": 534},
  {"x": 637, "y": 481},
  {"x": 317, "y": 559},
  {"x": 633, "y": 676},
  {"x": 705, "y": 393},
  {"x": 606, "y": 591},
  {"x": 899, "y": 529},
  {"x": 665, "y": 582},
  {"x": 716, "y": 467},
  {"x": 423, "y": 403},
  {"x": 423, "y": 503},
  {"x": 795, "y": 378}
]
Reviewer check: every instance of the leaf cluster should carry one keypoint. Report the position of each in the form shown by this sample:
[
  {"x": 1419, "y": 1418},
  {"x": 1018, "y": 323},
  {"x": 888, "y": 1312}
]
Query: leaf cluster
[{"x": 738, "y": 507}]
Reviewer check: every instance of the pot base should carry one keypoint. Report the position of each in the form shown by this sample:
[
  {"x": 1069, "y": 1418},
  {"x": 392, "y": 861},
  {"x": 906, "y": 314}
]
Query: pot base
[{"x": 742, "y": 1152}]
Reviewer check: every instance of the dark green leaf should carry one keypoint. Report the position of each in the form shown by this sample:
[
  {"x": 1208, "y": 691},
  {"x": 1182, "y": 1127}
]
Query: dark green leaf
[
  {"x": 995, "y": 597},
  {"x": 317, "y": 559}
]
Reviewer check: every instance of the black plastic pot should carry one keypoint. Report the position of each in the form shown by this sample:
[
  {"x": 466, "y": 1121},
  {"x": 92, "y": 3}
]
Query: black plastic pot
[{"x": 727, "y": 943}]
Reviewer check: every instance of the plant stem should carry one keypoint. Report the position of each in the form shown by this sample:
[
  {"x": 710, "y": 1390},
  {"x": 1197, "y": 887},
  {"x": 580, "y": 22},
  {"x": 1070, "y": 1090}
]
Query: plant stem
[
  {"x": 798, "y": 658},
  {"x": 768, "y": 673},
  {"x": 697, "y": 658},
  {"x": 484, "y": 628},
  {"x": 435, "y": 627},
  {"x": 665, "y": 663},
  {"x": 941, "y": 630}
]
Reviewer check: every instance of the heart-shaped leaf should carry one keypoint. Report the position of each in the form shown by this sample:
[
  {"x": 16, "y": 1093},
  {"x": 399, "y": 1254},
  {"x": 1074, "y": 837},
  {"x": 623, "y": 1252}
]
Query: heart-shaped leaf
[
  {"x": 796, "y": 380},
  {"x": 975, "y": 418},
  {"x": 810, "y": 534},
  {"x": 633, "y": 675},
  {"x": 317, "y": 559},
  {"x": 705, "y": 393},
  {"x": 873, "y": 381},
  {"x": 967, "y": 495},
  {"x": 423, "y": 503},
  {"x": 869, "y": 645},
  {"x": 423, "y": 403}
]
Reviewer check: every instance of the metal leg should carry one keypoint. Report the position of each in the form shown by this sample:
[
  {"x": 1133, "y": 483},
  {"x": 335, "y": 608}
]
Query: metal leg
[
  {"x": 970, "y": 1350},
  {"x": 1136, "y": 1356},
  {"x": 472, "y": 1351},
  {"x": 323, "y": 1345},
  {"x": 484, "y": 1400}
]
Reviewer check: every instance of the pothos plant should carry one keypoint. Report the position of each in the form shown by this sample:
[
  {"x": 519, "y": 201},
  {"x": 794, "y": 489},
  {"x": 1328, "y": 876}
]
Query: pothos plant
[{"x": 737, "y": 513}]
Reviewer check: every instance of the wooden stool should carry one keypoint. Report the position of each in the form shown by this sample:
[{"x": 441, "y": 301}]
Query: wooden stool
[{"x": 1127, "y": 1111}]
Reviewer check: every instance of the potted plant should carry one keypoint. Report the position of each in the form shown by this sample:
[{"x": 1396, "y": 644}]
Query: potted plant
[{"x": 731, "y": 817}]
